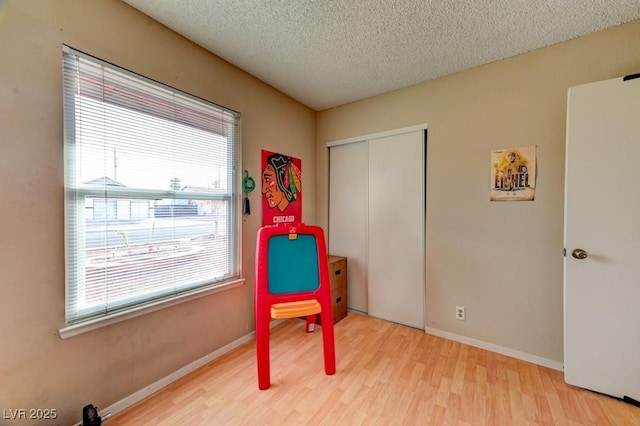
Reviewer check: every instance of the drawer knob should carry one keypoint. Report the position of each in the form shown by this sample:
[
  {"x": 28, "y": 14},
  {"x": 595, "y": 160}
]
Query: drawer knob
[{"x": 338, "y": 272}]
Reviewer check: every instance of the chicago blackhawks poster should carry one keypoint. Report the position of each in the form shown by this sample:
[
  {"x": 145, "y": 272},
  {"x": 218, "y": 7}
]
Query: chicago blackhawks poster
[
  {"x": 513, "y": 174},
  {"x": 281, "y": 189}
]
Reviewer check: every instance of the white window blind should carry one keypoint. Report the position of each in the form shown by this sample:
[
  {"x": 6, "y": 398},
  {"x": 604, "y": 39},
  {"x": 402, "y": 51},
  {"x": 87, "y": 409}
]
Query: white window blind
[{"x": 151, "y": 187}]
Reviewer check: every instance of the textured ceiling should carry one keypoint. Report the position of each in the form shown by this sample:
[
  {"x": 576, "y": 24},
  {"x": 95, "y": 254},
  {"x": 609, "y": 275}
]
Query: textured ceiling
[{"x": 326, "y": 53}]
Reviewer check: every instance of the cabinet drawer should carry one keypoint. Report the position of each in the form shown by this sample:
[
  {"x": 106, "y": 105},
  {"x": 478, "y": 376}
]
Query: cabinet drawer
[
  {"x": 339, "y": 297},
  {"x": 337, "y": 272},
  {"x": 338, "y": 305}
]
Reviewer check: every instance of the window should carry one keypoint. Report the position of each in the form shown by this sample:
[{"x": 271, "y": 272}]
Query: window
[{"x": 151, "y": 199}]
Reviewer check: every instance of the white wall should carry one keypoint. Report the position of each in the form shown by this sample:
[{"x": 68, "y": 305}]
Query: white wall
[
  {"x": 37, "y": 368},
  {"x": 501, "y": 260}
]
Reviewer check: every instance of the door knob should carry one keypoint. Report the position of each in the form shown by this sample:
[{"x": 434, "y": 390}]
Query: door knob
[{"x": 579, "y": 253}]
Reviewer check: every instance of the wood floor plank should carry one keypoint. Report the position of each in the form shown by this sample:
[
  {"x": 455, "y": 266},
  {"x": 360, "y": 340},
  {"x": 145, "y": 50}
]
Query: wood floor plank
[{"x": 387, "y": 374}]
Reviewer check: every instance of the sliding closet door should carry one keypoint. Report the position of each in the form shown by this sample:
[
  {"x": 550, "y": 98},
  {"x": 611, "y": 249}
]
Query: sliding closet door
[
  {"x": 348, "y": 204},
  {"x": 397, "y": 228}
]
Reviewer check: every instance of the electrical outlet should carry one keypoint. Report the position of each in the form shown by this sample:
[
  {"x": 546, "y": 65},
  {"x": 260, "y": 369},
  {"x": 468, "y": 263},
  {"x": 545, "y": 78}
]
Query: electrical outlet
[{"x": 460, "y": 313}]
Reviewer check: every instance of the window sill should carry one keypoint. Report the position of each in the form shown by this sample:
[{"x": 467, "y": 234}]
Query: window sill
[{"x": 75, "y": 329}]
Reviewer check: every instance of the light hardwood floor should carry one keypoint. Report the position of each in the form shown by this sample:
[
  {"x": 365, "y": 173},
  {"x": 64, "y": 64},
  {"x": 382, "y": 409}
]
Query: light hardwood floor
[{"x": 387, "y": 374}]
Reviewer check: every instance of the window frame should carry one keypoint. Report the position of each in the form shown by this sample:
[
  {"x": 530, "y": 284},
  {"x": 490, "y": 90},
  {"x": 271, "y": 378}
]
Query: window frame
[{"x": 75, "y": 205}]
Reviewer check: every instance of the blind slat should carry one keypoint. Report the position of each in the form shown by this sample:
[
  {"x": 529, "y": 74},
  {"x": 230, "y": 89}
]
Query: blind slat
[{"x": 151, "y": 204}]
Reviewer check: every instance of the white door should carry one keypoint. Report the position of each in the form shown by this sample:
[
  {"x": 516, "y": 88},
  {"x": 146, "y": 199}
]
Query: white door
[
  {"x": 396, "y": 228},
  {"x": 348, "y": 227},
  {"x": 602, "y": 217}
]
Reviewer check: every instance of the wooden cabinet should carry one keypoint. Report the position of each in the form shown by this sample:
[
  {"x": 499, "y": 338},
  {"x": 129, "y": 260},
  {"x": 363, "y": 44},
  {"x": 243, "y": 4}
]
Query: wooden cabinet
[{"x": 338, "y": 278}]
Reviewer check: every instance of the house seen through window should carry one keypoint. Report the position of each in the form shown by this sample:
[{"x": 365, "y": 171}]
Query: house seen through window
[{"x": 151, "y": 208}]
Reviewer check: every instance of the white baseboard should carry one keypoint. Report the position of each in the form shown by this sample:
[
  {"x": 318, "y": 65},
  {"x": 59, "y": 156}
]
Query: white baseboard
[
  {"x": 166, "y": 381},
  {"x": 523, "y": 356}
]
